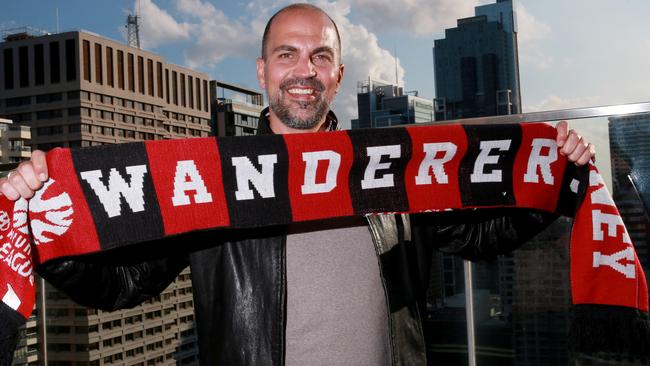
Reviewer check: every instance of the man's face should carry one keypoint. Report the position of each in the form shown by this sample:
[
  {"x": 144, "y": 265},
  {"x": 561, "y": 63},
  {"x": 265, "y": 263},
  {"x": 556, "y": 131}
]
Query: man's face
[{"x": 302, "y": 70}]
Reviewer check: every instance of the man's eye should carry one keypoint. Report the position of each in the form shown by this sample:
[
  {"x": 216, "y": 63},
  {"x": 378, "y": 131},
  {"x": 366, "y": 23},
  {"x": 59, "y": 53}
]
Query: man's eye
[
  {"x": 321, "y": 59},
  {"x": 285, "y": 56}
]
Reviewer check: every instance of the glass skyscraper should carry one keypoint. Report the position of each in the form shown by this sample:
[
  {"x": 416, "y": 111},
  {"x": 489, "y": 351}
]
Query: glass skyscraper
[{"x": 476, "y": 65}]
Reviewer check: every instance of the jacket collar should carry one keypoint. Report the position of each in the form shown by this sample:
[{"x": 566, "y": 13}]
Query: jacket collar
[{"x": 264, "y": 128}]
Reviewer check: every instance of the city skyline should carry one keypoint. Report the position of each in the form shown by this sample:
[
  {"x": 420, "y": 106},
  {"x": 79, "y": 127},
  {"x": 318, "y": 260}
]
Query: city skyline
[{"x": 570, "y": 54}]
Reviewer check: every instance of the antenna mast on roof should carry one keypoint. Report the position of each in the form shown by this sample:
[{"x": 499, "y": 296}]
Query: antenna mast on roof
[{"x": 133, "y": 28}]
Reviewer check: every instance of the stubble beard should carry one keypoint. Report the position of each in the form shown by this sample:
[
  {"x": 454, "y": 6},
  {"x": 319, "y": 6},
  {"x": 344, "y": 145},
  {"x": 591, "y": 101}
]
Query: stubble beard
[{"x": 290, "y": 115}]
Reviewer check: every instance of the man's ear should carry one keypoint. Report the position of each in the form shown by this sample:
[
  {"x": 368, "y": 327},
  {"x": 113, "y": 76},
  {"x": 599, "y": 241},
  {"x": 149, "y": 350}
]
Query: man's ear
[
  {"x": 340, "y": 77},
  {"x": 260, "y": 72}
]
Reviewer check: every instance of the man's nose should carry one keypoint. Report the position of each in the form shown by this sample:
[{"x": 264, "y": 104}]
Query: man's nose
[{"x": 305, "y": 67}]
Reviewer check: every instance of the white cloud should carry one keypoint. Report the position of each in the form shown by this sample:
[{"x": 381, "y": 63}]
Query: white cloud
[
  {"x": 215, "y": 36},
  {"x": 531, "y": 32},
  {"x": 417, "y": 17},
  {"x": 157, "y": 27},
  {"x": 363, "y": 58},
  {"x": 554, "y": 102},
  {"x": 530, "y": 28}
]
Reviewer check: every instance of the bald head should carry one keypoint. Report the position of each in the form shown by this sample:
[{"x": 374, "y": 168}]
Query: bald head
[{"x": 301, "y": 7}]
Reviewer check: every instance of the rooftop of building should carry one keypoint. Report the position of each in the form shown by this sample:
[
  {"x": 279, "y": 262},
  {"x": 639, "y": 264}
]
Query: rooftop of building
[{"x": 23, "y": 33}]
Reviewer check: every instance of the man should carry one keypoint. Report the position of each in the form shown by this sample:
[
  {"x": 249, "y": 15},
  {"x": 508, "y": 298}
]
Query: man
[{"x": 343, "y": 292}]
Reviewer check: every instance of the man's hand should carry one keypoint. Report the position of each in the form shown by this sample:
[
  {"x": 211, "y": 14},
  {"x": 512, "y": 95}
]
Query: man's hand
[
  {"x": 574, "y": 146},
  {"x": 26, "y": 179}
]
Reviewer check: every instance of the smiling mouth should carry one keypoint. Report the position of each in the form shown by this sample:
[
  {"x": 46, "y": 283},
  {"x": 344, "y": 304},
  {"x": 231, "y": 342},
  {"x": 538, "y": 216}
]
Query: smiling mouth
[{"x": 301, "y": 91}]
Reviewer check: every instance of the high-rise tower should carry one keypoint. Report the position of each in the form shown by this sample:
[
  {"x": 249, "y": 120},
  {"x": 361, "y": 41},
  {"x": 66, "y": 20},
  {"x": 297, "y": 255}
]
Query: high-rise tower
[{"x": 476, "y": 65}]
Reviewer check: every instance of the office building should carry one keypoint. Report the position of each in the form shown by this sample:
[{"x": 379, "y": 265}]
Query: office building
[
  {"x": 476, "y": 65},
  {"x": 78, "y": 89},
  {"x": 235, "y": 109},
  {"x": 14, "y": 141},
  {"x": 381, "y": 104}
]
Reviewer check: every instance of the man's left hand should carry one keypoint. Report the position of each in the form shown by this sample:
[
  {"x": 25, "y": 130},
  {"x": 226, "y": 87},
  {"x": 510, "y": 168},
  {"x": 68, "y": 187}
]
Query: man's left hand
[{"x": 574, "y": 146}]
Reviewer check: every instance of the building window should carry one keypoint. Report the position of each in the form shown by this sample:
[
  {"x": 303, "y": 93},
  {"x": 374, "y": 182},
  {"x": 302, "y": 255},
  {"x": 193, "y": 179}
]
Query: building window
[
  {"x": 150, "y": 76},
  {"x": 120, "y": 69},
  {"x": 190, "y": 83},
  {"x": 131, "y": 72},
  {"x": 175, "y": 87},
  {"x": 86, "y": 60},
  {"x": 109, "y": 66},
  {"x": 141, "y": 74},
  {"x": 17, "y": 102},
  {"x": 70, "y": 59},
  {"x": 23, "y": 67},
  {"x": 159, "y": 79},
  {"x": 205, "y": 95},
  {"x": 182, "y": 90},
  {"x": 74, "y": 95},
  {"x": 99, "y": 74},
  {"x": 55, "y": 63},
  {"x": 166, "y": 84},
  {"x": 8, "y": 55},
  {"x": 50, "y": 114},
  {"x": 49, "y": 98},
  {"x": 198, "y": 93},
  {"x": 39, "y": 65}
]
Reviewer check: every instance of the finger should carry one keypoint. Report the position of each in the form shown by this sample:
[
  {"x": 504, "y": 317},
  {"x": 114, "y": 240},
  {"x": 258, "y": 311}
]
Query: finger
[
  {"x": 584, "y": 158},
  {"x": 580, "y": 149},
  {"x": 29, "y": 176},
  {"x": 562, "y": 132},
  {"x": 8, "y": 190},
  {"x": 570, "y": 143},
  {"x": 18, "y": 183},
  {"x": 592, "y": 152},
  {"x": 40, "y": 165}
]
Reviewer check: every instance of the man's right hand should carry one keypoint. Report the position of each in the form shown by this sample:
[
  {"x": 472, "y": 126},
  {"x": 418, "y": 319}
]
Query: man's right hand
[{"x": 26, "y": 179}]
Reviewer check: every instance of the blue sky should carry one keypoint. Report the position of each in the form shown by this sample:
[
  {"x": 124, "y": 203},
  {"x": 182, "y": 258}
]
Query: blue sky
[{"x": 572, "y": 53}]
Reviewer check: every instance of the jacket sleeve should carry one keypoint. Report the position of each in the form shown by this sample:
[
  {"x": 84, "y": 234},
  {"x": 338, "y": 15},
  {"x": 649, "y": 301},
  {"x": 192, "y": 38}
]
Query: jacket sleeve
[
  {"x": 480, "y": 234},
  {"x": 117, "y": 279}
]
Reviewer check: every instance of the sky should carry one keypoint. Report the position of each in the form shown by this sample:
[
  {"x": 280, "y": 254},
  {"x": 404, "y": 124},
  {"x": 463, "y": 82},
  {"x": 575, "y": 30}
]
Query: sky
[{"x": 574, "y": 53}]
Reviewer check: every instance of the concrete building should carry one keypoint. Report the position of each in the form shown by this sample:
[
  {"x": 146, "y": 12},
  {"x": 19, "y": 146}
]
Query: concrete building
[
  {"x": 235, "y": 109},
  {"x": 382, "y": 104},
  {"x": 14, "y": 141},
  {"x": 78, "y": 89},
  {"x": 476, "y": 65}
]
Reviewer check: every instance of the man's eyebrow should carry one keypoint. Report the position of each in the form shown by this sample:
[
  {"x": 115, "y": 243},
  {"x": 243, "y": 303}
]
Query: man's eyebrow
[
  {"x": 284, "y": 48},
  {"x": 326, "y": 49}
]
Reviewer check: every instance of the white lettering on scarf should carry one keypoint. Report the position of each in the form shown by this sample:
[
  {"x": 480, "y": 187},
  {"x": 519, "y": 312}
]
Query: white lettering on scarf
[
  {"x": 312, "y": 160},
  {"x": 484, "y": 158},
  {"x": 536, "y": 159},
  {"x": 375, "y": 154},
  {"x": 436, "y": 165},
  {"x": 110, "y": 196},
  {"x": 187, "y": 169},
  {"x": 247, "y": 173}
]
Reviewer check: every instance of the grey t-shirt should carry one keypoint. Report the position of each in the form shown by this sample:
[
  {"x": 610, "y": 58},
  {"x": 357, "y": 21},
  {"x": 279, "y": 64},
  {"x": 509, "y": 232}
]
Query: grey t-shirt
[{"x": 336, "y": 305}]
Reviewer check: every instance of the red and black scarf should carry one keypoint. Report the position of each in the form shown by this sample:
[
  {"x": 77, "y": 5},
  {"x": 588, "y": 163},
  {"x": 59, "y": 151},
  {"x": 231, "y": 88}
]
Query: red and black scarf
[{"x": 114, "y": 196}]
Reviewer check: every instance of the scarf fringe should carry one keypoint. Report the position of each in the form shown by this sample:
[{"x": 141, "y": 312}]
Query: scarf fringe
[{"x": 617, "y": 331}]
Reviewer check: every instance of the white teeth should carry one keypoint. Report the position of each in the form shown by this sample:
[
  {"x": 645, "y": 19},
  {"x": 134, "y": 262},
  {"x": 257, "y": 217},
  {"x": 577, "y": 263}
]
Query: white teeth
[{"x": 301, "y": 91}]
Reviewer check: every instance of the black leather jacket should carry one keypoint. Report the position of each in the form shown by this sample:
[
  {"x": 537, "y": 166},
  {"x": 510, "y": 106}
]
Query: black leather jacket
[{"x": 239, "y": 277}]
